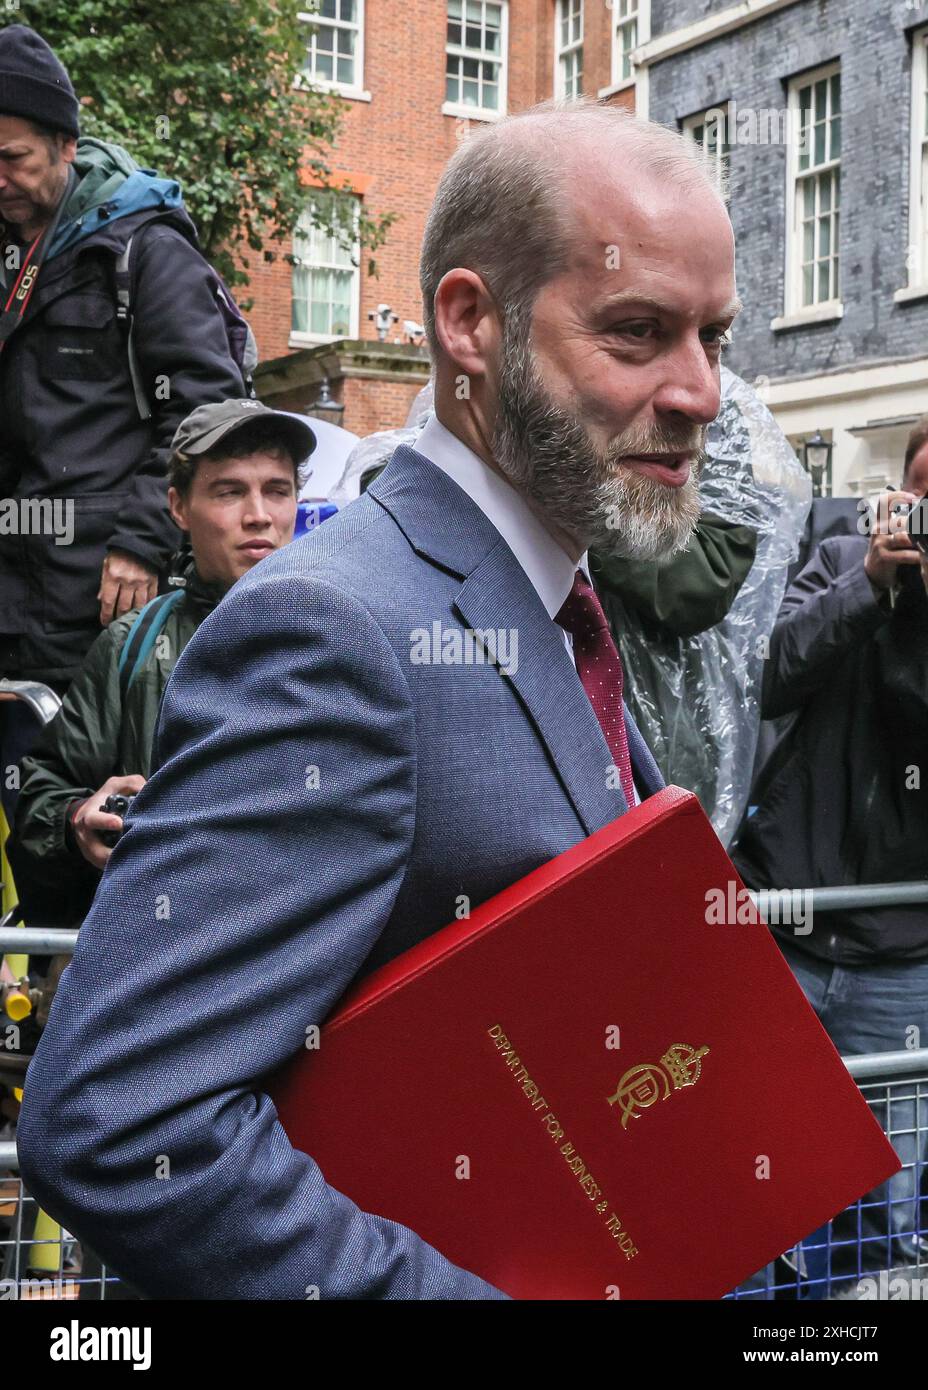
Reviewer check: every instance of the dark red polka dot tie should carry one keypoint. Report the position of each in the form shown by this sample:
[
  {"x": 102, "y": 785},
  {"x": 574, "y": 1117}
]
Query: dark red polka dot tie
[{"x": 599, "y": 667}]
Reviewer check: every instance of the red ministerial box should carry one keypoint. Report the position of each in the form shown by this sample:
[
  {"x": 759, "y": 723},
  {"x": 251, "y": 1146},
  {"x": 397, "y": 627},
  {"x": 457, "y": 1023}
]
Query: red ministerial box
[{"x": 592, "y": 1088}]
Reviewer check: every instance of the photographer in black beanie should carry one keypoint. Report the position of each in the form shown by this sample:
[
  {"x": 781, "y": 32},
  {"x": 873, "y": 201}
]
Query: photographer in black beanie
[
  {"x": 86, "y": 431},
  {"x": 34, "y": 83}
]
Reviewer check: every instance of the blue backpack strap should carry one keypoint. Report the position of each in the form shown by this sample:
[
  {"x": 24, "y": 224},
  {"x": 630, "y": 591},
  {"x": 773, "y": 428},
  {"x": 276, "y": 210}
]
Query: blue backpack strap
[{"x": 142, "y": 636}]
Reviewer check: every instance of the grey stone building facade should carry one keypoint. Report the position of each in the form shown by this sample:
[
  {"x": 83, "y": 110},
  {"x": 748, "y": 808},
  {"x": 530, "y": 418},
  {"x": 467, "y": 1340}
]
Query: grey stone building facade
[{"x": 818, "y": 110}]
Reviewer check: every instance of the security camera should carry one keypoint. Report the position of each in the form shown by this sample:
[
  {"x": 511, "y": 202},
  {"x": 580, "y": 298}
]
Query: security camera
[{"x": 383, "y": 316}]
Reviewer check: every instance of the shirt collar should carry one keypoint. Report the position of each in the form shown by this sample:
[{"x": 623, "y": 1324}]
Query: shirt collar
[{"x": 549, "y": 568}]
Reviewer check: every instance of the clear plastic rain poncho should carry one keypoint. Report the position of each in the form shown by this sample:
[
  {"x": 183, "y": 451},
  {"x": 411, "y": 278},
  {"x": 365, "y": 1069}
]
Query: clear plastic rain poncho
[
  {"x": 696, "y": 699},
  {"x": 375, "y": 449}
]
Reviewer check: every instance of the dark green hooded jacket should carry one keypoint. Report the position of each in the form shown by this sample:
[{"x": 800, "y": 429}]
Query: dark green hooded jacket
[
  {"x": 95, "y": 735},
  {"x": 693, "y": 591}
]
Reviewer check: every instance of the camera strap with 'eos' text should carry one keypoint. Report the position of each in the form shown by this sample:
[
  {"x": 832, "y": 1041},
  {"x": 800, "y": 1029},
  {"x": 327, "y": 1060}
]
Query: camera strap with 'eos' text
[{"x": 21, "y": 293}]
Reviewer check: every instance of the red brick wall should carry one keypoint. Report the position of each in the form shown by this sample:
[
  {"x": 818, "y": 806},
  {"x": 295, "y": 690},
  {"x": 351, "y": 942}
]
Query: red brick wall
[
  {"x": 377, "y": 405},
  {"x": 399, "y": 143}
]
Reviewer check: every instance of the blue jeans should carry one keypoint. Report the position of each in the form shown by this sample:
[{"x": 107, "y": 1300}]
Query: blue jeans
[{"x": 870, "y": 1008}]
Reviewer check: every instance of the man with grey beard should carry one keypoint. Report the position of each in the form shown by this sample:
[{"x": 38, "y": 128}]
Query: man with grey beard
[
  {"x": 333, "y": 778},
  {"x": 547, "y": 454}
]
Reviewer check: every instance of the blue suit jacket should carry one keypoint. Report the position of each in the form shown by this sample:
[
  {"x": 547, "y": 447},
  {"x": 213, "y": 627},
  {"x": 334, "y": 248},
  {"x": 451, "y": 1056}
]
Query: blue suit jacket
[{"x": 320, "y": 801}]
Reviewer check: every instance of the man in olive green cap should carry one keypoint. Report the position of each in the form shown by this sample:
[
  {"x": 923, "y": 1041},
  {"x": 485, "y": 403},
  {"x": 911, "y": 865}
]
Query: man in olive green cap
[{"x": 234, "y": 474}]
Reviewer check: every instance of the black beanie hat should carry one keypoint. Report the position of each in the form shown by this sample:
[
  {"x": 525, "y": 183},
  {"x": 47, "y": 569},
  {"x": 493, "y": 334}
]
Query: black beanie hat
[{"x": 33, "y": 84}]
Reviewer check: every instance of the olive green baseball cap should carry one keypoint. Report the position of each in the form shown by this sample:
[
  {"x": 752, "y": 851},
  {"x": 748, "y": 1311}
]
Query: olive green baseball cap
[{"x": 206, "y": 426}]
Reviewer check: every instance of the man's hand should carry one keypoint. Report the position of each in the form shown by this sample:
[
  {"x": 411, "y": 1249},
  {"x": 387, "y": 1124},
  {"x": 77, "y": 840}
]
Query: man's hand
[
  {"x": 890, "y": 543},
  {"x": 88, "y": 820},
  {"x": 125, "y": 583}
]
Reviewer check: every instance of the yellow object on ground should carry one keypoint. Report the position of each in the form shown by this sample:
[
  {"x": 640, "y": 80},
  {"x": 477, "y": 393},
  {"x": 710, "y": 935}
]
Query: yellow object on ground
[
  {"x": 48, "y": 1256},
  {"x": 45, "y": 1256},
  {"x": 19, "y": 964},
  {"x": 17, "y": 1005}
]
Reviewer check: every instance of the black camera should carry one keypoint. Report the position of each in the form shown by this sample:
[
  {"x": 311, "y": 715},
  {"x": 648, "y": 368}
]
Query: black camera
[
  {"x": 117, "y": 805},
  {"x": 916, "y": 521}
]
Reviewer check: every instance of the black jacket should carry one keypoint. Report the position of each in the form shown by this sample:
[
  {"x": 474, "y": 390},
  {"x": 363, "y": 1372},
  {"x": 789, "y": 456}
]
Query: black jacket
[
  {"x": 70, "y": 426},
  {"x": 845, "y": 799}
]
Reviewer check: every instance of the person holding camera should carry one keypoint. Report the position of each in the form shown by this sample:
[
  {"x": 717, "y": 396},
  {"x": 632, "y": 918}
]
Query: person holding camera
[
  {"x": 234, "y": 476},
  {"x": 842, "y": 801}
]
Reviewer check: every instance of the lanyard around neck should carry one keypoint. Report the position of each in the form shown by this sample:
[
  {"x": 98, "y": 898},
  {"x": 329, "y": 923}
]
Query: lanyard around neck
[{"x": 21, "y": 293}]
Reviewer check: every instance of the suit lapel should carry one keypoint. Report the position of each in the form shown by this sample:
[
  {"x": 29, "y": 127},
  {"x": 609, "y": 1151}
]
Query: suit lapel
[
  {"x": 446, "y": 526},
  {"x": 499, "y": 594}
]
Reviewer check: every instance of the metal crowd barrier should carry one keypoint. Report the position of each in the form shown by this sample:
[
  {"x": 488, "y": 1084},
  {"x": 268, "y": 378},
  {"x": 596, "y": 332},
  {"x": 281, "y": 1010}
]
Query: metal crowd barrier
[
  {"x": 778, "y": 902},
  {"x": 39, "y": 1260},
  {"x": 876, "y": 1249},
  {"x": 859, "y": 1255}
]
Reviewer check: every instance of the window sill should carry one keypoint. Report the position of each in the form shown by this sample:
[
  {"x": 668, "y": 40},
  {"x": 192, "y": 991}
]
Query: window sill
[
  {"x": 308, "y": 340},
  {"x": 911, "y": 293},
  {"x": 349, "y": 93},
  {"x": 803, "y": 318},
  {"x": 470, "y": 113},
  {"x": 625, "y": 85},
  {"x": 318, "y": 85}
]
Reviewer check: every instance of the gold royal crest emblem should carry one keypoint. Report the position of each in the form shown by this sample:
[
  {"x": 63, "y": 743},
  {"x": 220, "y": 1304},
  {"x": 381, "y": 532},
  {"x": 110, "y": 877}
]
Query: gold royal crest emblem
[{"x": 647, "y": 1083}]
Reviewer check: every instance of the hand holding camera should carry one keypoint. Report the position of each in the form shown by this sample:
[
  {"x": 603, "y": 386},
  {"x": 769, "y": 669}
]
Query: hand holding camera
[
  {"x": 97, "y": 822},
  {"x": 898, "y": 538}
]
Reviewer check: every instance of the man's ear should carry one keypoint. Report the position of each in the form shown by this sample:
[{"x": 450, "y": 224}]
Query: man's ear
[
  {"x": 177, "y": 506},
  {"x": 68, "y": 149},
  {"x": 467, "y": 321}
]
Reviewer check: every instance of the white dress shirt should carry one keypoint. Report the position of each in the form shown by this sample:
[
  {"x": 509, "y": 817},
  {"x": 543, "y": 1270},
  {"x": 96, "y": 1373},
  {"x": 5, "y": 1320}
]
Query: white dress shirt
[{"x": 549, "y": 567}]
